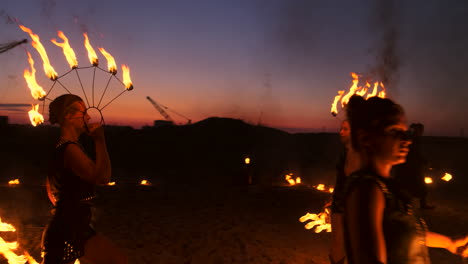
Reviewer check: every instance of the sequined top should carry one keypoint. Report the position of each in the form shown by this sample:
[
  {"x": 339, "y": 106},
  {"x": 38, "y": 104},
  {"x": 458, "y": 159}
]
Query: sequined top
[
  {"x": 404, "y": 230},
  {"x": 65, "y": 185}
]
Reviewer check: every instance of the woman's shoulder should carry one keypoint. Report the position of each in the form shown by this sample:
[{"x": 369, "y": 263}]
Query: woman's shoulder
[{"x": 366, "y": 179}]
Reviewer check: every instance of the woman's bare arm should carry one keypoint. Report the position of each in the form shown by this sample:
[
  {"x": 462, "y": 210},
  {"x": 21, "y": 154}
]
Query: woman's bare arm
[
  {"x": 98, "y": 172},
  {"x": 364, "y": 215}
]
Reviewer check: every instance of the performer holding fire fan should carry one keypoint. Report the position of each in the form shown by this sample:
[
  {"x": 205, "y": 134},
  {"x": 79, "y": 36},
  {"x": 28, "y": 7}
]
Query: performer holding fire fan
[
  {"x": 70, "y": 187},
  {"x": 380, "y": 225}
]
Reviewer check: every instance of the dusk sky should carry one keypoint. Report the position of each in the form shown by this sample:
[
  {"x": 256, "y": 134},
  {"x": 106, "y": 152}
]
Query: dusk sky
[{"x": 275, "y": 62}]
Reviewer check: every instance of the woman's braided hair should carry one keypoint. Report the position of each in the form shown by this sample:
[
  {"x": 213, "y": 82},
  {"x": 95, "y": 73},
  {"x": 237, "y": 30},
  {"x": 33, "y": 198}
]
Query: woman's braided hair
[{"x": 61, "y": 106}]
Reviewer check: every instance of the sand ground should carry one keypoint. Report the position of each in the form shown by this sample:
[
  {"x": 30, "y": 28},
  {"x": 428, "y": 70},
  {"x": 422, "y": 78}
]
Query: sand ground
[{"x": 156, "y": 224}]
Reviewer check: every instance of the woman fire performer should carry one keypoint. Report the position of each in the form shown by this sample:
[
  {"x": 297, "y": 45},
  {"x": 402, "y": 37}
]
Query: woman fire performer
[
  {"x": 70, "y": 187},
  {"x": 380, "y": 225},
  {"x": 348, "y": 163}
]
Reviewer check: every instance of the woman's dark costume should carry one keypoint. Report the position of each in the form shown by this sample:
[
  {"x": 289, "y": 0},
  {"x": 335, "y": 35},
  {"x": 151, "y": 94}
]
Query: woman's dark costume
[
  {"x": 404, "y": 230},
  {"x": 70, "y": 227}
]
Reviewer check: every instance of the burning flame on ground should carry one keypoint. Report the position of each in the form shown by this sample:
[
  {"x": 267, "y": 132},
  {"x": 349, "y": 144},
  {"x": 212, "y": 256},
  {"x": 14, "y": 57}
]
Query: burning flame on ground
[
  {"x": 356, "y": 89},
  {"x": 320, "y": 221},
  {"x": 7, "y": 248},
  {"x": 321, "y": 187},
  {"x": 290, "y": 180},
  {"x": 428, "y": 180},
  {"x": 35, "y": 117},
  {"x": 14, "y": 182},
  {"x": 145, "y": 182},
  {"x": 126, "y": 77},
  {"x": 30, "y": 76},
  {"x": 36, "y": 43},
  {"x": 67, "y": 50},
  {"x": 447, "y": 177},
  {"x": 91, "y": 53},
  {"x": 111, "y": 66}
]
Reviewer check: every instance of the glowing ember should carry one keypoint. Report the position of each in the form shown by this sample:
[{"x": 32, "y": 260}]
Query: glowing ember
[
  {"x": 247, "y": 160},
  {"x": 111, "y": 183},
  {"x": 35, "y": 117},
  {"x": 30, "y": 76},
  {"x": 67, "y": 50},
  {"x": 359, "y": 90},
  {"x": 91, "y": 53},
  {"x": 319, "y": 221},
  {"x": 145, "y": 182},
  {"x": 428, "y": 180},
  {"x": 14, "y": 182},
  {"x": 447, "y": 177},
  {"x": 36, "y": 43},
  {"x": 126, "y": 77},
  {"x": 111, "y": 66},
  {"x": 7, "y": 248}
]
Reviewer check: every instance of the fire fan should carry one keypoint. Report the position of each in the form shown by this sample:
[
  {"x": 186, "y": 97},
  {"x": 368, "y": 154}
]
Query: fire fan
[{"x": 38, "y": 92}]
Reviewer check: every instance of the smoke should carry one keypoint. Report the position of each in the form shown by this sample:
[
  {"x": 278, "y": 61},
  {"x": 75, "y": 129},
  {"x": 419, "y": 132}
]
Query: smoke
[
  {"x": 387, "y": 59},
  {"x": 47, "y": 8},
  {"x": 8, "y": 19}
]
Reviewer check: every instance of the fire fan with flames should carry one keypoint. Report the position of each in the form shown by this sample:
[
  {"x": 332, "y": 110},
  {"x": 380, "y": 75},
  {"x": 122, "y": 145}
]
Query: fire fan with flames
[{"x": 38, "y": 92}]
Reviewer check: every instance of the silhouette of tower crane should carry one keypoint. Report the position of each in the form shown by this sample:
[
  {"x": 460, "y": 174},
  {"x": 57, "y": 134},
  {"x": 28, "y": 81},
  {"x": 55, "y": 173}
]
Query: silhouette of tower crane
[{"x": 162, "y": 110}]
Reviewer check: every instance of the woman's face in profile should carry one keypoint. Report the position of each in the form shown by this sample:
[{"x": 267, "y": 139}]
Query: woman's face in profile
[
  {"x": 392, "y": 144},
  {"x": 78, "y": 117}
]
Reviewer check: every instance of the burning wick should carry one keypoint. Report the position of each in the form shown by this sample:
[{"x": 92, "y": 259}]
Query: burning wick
[
  {"x": 447, "y": 177},
  {"x": 290, "y": 180},
  {"x": 14, "y": 182},
  {"x": 145, "y": 182}
]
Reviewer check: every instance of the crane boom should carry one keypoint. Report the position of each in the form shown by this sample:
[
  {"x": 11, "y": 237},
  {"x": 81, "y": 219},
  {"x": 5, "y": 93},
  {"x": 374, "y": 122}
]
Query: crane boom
[{"x": 160, "y": 109}]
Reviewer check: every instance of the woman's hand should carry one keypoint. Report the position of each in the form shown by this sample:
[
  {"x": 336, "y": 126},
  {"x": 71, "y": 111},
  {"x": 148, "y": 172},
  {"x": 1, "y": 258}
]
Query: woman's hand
[{"x": 96, "y": 131}]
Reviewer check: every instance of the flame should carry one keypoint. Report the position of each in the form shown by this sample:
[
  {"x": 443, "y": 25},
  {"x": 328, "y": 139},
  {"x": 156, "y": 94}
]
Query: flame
[
  {"x": 447, "y": 177},
  {"x": 5, "y": 227},
  {"x": 6, "y": 248},
  {"x": 67, "y": 50},
  {"x": 111, "y": 183},
  {"x": 247, "y": 160},
  {"x": 34, "y": 116},
  {"x": 352, "y": 89},
  {"x": 359, "y": 90},
  {"x": 111, "y": 66},
  {"x": 36, "y": 43},
  {"x": 14, "y": 182},
  {"x": 320, "y": 221},
  {"x": 334, "y": 110},
  {"x": 91, "y": 53},
  {"x": 145, "y": 182},
  {"x": 30, "y": 76},
  {"x": 428, "y": 180},
  {"x": 126, "y": 77},
  {"x": 331, "y": 190},
  {"x": 298, "y": 180},
  {"x": 321, "y": 187},
  {"x": 289, "y": 179}
]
